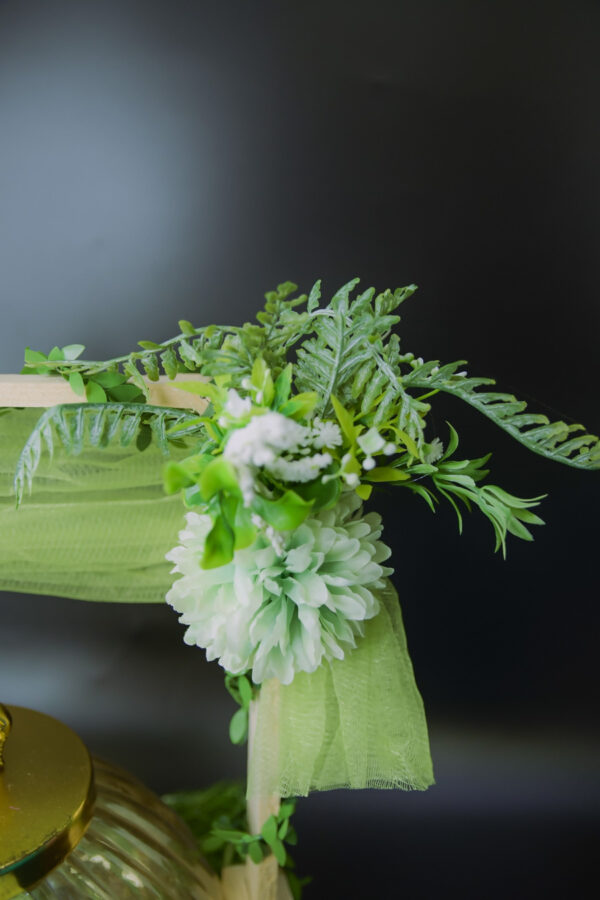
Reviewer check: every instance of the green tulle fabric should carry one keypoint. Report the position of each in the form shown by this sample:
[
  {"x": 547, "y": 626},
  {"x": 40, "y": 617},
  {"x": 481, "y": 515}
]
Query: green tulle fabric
[
  {"x": 97, "y": 527},
  {"x": 354, "y": 723}
]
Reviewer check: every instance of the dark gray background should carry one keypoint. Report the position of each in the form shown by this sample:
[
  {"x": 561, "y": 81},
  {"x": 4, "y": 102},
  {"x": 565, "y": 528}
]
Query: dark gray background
[{"x": 165, "y": 160}]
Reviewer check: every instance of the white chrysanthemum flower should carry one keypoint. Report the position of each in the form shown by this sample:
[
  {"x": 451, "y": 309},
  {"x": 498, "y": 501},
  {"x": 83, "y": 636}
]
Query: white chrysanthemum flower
[{"x": 286, "y": 613}]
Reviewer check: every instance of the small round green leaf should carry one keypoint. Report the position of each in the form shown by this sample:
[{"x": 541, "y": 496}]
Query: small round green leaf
[
  {"x": 94, "y": 393},
  {"x": 72, "y": 351},
  {"x": 238, "y": 727},
  {"x": 186, "y": 327},
  {"x": 77, "y": 383},
  {"x": 279, "y": 851},
  {"x": 269, "y": 830},
  {"x": 255, "y": 852},
  {"x": 34, "y": 356},
  {"x": 245, "y": 689}
]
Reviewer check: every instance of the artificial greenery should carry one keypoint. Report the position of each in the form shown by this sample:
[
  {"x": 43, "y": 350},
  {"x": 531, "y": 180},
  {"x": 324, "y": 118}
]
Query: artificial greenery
[
  {"x": 216, "y": 816},
  {"x": 243, "y": 692},
  {"x": 308, "y": 410},
  {"x": 213, "y": 350},
  {"x": 337, "y": 362},
  {"x": 534, "y": 430}
]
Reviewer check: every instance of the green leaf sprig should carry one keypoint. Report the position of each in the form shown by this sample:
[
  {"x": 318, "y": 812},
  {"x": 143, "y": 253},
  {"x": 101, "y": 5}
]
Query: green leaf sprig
[
  {"x": 460, "y": 480},
  {"x": 217, "y": 818},
  {"x": 212, "y": 350},
  {"x": 103, "y": 386},
  {"x": 273, "y": 833}
]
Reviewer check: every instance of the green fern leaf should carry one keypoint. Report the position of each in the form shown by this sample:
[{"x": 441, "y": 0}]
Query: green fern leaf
[
  {"x": 534, "y": 430},
  {"x": 348, "y": 338}
]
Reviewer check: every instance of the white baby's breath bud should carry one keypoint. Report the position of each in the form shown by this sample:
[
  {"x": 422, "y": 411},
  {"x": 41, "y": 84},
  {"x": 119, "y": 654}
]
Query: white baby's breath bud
[
  {"x": 368, "y": 463},
  {"x": 301, "y": 470},
  {"x": 246, "y": 482},
  {"x": 235, "y": 406},
  {"x": 390, "y": 449}
]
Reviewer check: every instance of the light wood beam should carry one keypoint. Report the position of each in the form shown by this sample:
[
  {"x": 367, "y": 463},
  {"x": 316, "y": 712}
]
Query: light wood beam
[{"x": 47, "y": 390}]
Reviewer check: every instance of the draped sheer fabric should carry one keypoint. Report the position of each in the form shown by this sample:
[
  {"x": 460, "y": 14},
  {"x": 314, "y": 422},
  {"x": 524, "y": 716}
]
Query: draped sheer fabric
[
  {"x": 354, "y": 723},
  {"x": 97, "y": 526}
]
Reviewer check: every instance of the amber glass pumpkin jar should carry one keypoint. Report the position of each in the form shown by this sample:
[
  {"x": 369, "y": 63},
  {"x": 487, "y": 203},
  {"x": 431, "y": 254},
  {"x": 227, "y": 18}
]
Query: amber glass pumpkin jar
[{"x": 75, "y": 827}]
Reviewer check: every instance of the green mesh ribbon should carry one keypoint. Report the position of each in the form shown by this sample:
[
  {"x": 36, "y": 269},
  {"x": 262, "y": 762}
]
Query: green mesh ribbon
[
  {"x": 354, "y": 723},
  {"x": 97, "y": 527}
]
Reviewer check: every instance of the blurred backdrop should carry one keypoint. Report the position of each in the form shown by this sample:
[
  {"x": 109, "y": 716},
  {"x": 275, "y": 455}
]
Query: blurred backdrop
[{"x": 166, "y": 160}]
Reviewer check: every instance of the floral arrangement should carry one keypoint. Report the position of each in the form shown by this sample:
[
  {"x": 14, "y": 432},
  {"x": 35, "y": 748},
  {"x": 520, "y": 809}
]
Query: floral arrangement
[{"x": 280, "y": 569}]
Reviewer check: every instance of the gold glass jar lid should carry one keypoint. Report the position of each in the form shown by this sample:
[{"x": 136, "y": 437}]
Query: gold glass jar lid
[{"x": 46, "y": 796}]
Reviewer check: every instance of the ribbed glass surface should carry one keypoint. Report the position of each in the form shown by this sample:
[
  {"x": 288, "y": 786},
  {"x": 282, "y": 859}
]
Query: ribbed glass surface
[{"x": 134, "y": 848}]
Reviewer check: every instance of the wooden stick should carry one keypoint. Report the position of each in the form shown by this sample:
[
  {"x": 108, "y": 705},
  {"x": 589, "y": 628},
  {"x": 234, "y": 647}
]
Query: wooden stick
[
  {"x": 234, "y": 884},
  {"x": 47, "y": 390},
  {"x": 262, "y": 879}
]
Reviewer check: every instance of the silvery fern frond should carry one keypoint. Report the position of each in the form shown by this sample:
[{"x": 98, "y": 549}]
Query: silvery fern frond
[
  {"x": 534, "y": 430},
  {"x": 347, "y": 340}
]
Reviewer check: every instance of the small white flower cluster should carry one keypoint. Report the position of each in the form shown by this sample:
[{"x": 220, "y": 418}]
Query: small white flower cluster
[
  {"x": 304, "y": 469},
  {"x": 278, "y": 445},
  {"x": 278, "y": 615}
]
